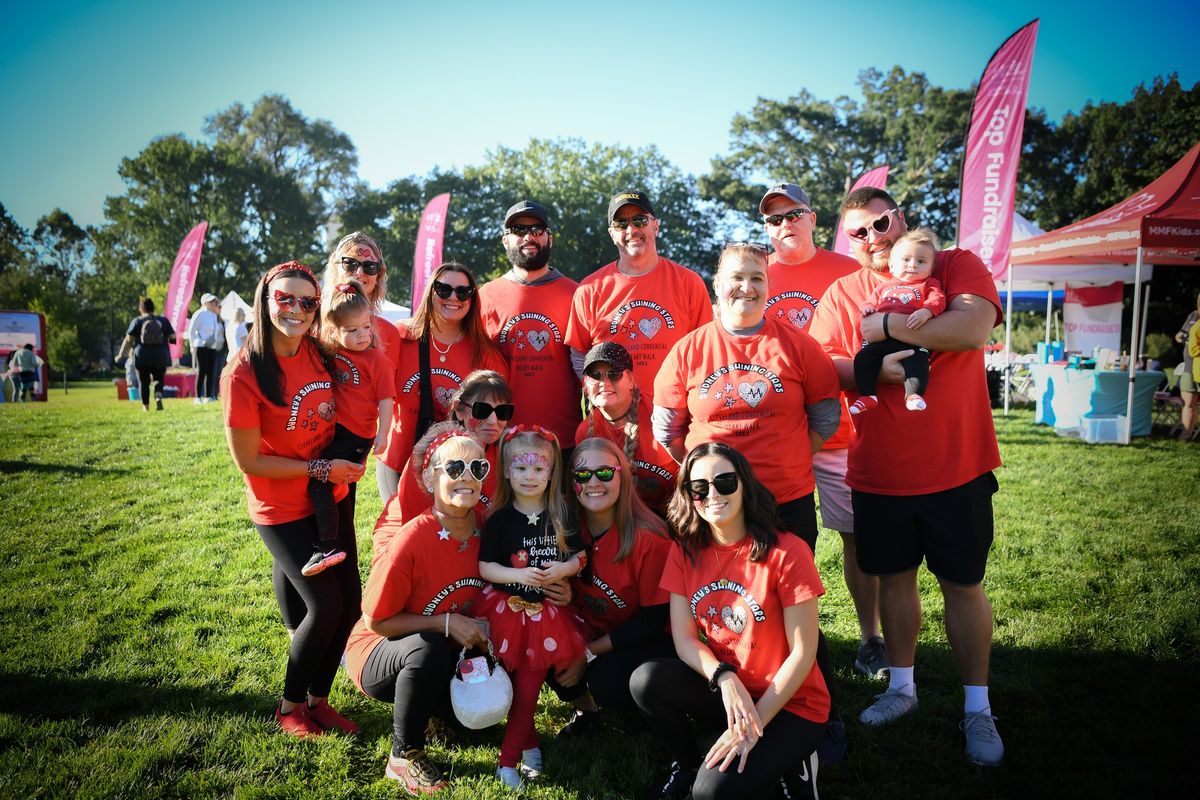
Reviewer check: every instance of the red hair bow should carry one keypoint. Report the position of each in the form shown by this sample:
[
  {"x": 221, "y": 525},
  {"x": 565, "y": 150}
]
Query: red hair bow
[{"x": 537, "y": 430}]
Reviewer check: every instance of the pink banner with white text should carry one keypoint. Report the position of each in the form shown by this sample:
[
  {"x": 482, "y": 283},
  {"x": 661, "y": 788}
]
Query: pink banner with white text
[
  {"x": 427, "y": 255},
  {"x": 1092, "y": 317},
  {"x": 183, "y": 282},
  {"x": 993, "y": 148},
  {"x": 877, "y": 178}
]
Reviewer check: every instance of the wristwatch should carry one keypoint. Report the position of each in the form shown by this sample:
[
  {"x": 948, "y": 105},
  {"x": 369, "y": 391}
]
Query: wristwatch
[{"x": 723, "y": 667}]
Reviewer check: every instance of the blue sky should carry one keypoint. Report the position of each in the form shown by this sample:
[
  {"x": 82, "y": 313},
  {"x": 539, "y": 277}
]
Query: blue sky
[{"x": 417, "y": 85}]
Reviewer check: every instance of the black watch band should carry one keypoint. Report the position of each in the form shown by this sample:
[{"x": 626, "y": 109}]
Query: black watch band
[{"x": 723, "y": 667}]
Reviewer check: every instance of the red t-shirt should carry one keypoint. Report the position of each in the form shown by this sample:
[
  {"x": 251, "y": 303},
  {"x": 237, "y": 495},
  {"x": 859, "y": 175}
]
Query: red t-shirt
[
  {"x": 364, "y": 377},
  {"x": 299, "y": 429},
  {"x": 411, "y": 498},
  {"x": 527, "y": 323},
  {"x": 617, "y": 590},
  {"x": 739, "y": 611},
  {"x": 646, "y": 313},
  {"x": 905, "y": 298},
  {"x": 420, "y": 572},
  {"x": 446, "y": 377},
  {"x": 653, "y": 468},
  {"x": 387, "y": 341},
  {"x": 750, "y": 392},
  {"x": 796, "y": 291},
  {"x": 898, "y": 452}
]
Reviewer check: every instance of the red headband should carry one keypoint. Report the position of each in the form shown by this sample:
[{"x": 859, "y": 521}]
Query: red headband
[
  {"x": 290, "y": 265},
  {"x": 438, "y": 442},
  {"x": 537, "y": 430}
]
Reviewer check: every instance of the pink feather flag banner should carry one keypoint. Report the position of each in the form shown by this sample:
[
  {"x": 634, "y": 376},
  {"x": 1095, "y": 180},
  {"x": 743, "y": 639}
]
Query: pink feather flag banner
[
  {"x": 183, "y": 283},
  {"x": 876, "y": 178},
  {"x": 427, "y": 255}
]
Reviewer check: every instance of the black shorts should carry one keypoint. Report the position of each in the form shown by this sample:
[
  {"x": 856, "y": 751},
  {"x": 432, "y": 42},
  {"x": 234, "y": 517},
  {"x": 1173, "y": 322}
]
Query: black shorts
[
  {"x": 951, "y": 530},
  {"x": 799, "y": 516}
]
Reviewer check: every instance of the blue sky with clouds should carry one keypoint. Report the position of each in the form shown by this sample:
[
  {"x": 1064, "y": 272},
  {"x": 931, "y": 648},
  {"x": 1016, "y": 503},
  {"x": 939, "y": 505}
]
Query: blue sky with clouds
[{"x": 419, "y": 85}]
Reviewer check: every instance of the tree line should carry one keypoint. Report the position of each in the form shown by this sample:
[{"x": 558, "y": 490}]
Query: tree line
[{"x": 270, "y": 180}]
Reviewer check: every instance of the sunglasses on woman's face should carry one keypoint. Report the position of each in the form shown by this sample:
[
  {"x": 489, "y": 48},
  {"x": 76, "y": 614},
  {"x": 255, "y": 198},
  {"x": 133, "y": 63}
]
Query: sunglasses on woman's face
[
  {"x": 444, "y": 290},
  {"x": 353, "y": 265},
  {"x": 726, "y": 483},
  {"x": 287, "y": 301},
  {"x": 603, "y": 474},
  {"x": 880, "y": 225},
  {"x": 481, "y": 410},
  {"x": 454, "y": 469},
  {"x": 612, "y": 375}
]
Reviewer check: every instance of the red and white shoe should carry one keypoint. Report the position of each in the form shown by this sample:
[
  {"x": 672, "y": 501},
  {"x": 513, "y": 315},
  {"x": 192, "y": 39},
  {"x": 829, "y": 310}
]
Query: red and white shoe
[
  {"x": 329, "y": 718},
  {"x": 864, "y": 403},
  {"x": 914, "y": 402},
  {"x": 297, "y": 721}
]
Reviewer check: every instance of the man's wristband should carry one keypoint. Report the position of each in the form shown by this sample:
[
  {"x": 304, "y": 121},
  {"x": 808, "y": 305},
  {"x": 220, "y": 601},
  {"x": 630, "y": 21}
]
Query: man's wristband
[
  {"x": 722, "y": 668},
  {"x": 588, "y": 655},
  {"x": 886, "y": 335}
]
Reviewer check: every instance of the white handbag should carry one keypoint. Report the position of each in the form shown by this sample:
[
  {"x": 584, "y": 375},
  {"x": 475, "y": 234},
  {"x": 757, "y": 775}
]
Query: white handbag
[{"x": 480, "y": 690}]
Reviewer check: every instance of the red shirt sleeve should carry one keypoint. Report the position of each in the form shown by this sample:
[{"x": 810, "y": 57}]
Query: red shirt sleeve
[
  {"x": 673, "y": 572},
  {"x": 652, "y": 553}
]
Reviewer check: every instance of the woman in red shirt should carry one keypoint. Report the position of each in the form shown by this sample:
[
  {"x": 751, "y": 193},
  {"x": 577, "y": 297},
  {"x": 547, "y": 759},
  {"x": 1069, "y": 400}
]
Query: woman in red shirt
[
  {"x": 744, "y": 621},
  {"x": 279, "y": 416},
  {"x": 618, "y": 597}
]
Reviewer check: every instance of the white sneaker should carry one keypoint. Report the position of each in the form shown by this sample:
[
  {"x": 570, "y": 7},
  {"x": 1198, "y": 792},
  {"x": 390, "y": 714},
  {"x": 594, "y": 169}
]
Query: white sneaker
[
  {"x": 509, "y": 777},
  {"x": 888, "y": 707},
  {"x": 531, "y": 764},
  {"x": 983, "y": 741}
]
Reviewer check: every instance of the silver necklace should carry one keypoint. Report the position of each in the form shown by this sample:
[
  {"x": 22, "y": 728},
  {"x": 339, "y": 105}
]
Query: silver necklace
[{"x": 442, "y": 353}]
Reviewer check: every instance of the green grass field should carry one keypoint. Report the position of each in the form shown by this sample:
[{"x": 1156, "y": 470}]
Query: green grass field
[{"x": 141, "y": 651}]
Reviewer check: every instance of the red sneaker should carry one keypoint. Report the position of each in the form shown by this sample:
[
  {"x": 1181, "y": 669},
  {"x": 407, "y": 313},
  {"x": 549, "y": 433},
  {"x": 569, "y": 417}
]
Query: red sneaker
[
  {"x": 864, "y": 403},
  {"x": 329, "y": 719},
  {"x": 297, "y": 722}
]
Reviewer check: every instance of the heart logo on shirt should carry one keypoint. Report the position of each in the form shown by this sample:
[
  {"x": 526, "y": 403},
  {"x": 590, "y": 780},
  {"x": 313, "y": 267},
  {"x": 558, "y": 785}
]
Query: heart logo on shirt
[
  {"x": 538, "y": 339},
  {"x": 752, "y": 393},
  {"x": 799, "y": 317},
  {"x": 650, "y": 326},
  {"x": 519, "y": 559},
  {"x": 734, "y": 618},
  {"x": 443, "y": 396},
  {"x": 325, "y": 410}
]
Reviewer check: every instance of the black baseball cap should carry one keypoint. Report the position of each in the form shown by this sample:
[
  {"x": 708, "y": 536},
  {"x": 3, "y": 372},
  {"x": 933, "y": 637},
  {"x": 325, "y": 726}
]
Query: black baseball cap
[
  {"x": 610, "y": 353},
  {"x": 628, "y": 198},
  {"x": 526, "y": 208},
  {"x": 789, "y": 190}
]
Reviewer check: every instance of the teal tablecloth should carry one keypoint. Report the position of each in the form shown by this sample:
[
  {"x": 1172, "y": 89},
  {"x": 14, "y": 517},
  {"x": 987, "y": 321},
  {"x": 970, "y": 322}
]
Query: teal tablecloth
[{"x": 1064, "y": 395}]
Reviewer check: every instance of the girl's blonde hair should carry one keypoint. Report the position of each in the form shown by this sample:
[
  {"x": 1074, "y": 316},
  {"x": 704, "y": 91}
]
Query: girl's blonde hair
[
  {"x": 333, "y": 267},
  {"x": 631, "y": 511},
  {"x": 538, "y": 441},
  {"x": 341, "y": 303}
]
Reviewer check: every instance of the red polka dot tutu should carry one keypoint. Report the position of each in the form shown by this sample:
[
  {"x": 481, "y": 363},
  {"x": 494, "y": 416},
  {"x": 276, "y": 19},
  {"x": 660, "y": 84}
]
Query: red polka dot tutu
[{"x": 527, "y": 635}]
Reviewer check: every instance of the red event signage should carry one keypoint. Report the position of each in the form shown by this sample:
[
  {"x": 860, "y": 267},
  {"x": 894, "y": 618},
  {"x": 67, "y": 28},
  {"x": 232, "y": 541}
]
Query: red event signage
[
  {"x": 877, "y": 178},
  {"x": 183, "y": 282},
  {"x": 427, "y": 255},
  {"x": 989, "y": 176}
]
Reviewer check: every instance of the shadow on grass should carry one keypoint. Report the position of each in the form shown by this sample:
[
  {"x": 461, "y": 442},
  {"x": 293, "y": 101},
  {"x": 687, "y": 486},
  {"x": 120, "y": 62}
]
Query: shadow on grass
[{"x": 13, "y": 467}]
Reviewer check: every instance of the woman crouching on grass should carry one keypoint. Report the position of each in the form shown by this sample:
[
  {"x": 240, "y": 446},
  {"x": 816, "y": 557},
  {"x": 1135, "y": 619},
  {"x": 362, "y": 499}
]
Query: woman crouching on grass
[
  {"x": 744, "y": 620},
  {"x": 279, "y": 416}
]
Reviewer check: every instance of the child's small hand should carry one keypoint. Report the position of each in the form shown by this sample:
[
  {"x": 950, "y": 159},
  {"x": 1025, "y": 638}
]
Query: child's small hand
[
  {"x": 553, "y": 573},
  {"x": 918, "y": 318},
  {"x": 867, "y": 309},
  {"x": 531, "y": 576},
  {"x": 380, "y": 443}
]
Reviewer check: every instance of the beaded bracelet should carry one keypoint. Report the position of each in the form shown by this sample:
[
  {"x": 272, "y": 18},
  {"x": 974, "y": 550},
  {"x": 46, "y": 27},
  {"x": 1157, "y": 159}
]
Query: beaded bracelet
[{"x": 319, "y": 469}]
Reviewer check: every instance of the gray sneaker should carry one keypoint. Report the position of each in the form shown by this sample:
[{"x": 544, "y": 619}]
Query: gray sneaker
[
  {"x": 983, "y": 741},
  {"x": 872, "y": 658},
  {"x": 888, "y": 707}
]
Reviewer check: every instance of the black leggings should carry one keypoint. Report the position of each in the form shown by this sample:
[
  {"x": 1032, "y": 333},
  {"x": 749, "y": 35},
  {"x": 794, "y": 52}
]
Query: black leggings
[
  {"x": 206, "y": 379},
  {"x": 348, "y": 446},
  {"x": 331, "y": 600},
  {"x": 147, "y": 377},
  {"x": 868, "y": 361},
  {"x": 607, "y": 677},
  {"x": 413, "y": 674},
  {"x": 672, "y": 695}
]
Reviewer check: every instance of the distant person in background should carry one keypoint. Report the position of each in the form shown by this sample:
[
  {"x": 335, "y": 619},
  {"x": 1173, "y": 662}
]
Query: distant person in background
[
  {"x": 1187, "y": 381},
  {"x": 25, "y": 364},
  {"x": 235, "y": 332},
  {"x": 207, "y": 335},
  {"x": 149, "y": 336}
]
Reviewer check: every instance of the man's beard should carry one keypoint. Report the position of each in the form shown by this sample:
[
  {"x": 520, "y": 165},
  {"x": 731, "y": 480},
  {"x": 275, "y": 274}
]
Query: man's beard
[{"x": 529, "y": 263}]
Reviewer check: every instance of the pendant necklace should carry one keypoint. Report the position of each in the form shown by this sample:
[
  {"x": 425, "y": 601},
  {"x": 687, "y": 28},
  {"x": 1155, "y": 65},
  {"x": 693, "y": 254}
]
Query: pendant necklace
[
  {"x": 442, "y": 353},
  {"x": 721, "y": 568}
]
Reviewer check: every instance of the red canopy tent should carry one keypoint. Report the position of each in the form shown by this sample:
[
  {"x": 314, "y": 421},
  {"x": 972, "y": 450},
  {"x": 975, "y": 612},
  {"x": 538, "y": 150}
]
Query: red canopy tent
[{"x": 1158, "y": 225}]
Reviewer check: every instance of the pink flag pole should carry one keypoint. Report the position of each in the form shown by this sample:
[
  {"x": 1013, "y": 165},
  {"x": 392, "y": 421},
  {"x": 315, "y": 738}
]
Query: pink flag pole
[
  {"x": 427, "y": 254},
  {"x": 993, "y": 149},
  {"x": 877, "y": 178},
  {"x": 183, "y": 282}
]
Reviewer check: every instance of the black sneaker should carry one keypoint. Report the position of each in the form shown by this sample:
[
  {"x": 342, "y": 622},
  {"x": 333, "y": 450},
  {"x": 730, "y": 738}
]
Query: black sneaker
[
  {"x": 832, "y": 748},
  {"x": 321, "y": 561},
  {"x": 584, "y": 723},
  {"x": 158, "y": 404},
  {"x": 678, "y": 785}
]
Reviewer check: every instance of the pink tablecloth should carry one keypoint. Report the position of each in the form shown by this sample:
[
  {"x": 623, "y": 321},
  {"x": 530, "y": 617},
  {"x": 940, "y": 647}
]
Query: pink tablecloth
[{"x": 185, "y": 382}]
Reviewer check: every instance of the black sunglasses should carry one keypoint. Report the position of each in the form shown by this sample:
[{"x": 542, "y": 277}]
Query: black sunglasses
[
  {"x": 353, "y": 265},
  {"x": 640, "y": 221},
  {"x": 454, "y": 469},
  {"x": 603, "y": 474},
  {"x": 613, "y": 375},
  {"x": 790, "y": 216},
  {"x": 521, "y": 230},
  {"x": 726, "y": 483},
  {"x": 482, "y": 410},
  {"x": 444, "y": 290}
]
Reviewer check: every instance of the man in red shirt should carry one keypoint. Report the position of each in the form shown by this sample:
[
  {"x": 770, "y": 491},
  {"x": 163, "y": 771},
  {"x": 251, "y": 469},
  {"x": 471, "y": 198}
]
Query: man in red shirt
[
  {"x": 525, "y": 312},
  {"x": 798, "y": 273},
  {"x": 921, "y": 484}
]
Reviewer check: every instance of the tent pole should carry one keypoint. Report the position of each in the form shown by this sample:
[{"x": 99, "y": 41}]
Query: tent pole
[
  {"x": 1133, "y": 345},
  {"x": 1008, "y": 341},
  {"x": 1049, "y": 309},
  {"x": 1145, "y": 318}
]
